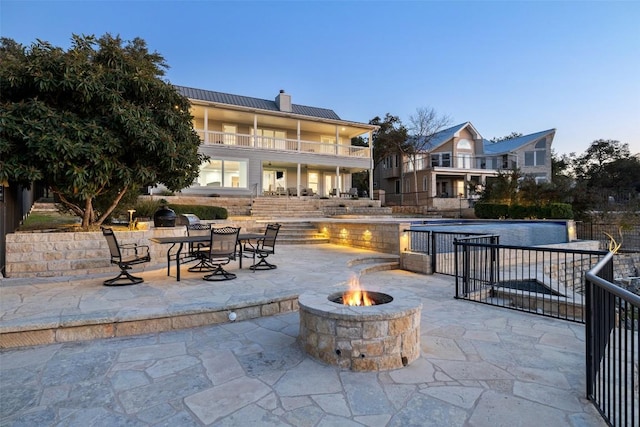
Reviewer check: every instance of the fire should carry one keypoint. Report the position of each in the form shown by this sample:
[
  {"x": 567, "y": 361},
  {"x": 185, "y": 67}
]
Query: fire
[{"x": 356, "y": 296}]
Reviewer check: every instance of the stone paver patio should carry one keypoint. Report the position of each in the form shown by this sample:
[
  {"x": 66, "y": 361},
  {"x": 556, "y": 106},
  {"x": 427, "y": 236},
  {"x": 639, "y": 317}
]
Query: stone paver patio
[{"x": 479, "y": 365}]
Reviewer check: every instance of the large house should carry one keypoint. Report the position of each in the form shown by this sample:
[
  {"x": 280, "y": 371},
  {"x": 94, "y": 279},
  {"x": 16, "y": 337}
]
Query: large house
[
  {"x": 273, "y": 147},
  {"x": 455, "y": 157}
]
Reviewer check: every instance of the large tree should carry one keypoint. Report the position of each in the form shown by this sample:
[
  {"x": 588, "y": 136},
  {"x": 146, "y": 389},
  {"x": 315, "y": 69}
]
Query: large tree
[
  {"x": 92, "y": 121},
  {"x": 390, "y": 138}
]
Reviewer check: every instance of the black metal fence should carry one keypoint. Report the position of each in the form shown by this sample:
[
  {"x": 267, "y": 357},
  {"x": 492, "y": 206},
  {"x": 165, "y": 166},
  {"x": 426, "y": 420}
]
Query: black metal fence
[
  {"x": 612, "y": 346},
  {"x": 627, "y": 235},
  {"x": 544, "y": 281},
  {"x": 440, "y": 245}
]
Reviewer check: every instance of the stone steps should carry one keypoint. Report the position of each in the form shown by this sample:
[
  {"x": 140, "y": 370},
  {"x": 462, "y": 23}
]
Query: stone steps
[
  {"x": 300, "y": 233},
  {"x": 278, "y": 207}
]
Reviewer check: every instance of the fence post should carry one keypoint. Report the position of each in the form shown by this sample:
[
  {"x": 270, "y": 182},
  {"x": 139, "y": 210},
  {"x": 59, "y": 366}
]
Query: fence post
[
  {"x": 455, "y": 260},
  {"x": 433, "y": 251}
]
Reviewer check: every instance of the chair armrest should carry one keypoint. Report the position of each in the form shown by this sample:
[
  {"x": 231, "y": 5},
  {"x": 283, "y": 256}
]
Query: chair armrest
[{"x": 128, "y": 247}]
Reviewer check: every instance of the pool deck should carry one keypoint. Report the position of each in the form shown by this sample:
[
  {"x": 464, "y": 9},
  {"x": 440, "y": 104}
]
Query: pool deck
[{"x": 479, "y": 365}]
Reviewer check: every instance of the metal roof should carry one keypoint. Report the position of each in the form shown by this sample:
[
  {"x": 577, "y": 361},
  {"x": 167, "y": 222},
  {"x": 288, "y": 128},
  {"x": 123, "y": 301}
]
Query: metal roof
[
  {"x": 513, "y": 144},
  {"x": 444, "y": 135},
  {"x": 256, "y": 103}
]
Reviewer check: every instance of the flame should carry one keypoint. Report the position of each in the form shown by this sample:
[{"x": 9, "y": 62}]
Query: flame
[{"x": 356, "y": 296}]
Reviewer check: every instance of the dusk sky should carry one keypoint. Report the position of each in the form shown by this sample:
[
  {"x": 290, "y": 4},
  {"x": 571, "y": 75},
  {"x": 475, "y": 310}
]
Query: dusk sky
[{"x": 504, "y": 66}]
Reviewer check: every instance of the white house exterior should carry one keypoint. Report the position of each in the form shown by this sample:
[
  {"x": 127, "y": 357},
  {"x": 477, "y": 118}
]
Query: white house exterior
[{"x": 273, "y": 147}]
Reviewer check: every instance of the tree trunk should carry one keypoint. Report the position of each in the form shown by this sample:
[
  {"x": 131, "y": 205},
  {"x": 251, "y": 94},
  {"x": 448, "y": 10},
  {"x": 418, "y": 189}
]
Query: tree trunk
[
  {"x": 86, "y": 215},
  {"x": 110, "y": 209}
]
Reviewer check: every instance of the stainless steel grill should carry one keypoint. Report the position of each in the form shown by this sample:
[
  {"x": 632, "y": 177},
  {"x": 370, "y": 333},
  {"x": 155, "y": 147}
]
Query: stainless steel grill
[{"x": 187, "y": 219}]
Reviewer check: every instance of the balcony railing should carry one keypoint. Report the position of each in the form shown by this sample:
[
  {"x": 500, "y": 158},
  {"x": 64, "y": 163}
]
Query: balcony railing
[
  {"x": 283, "y": 144},
  {"x": 464, "y": 162}
]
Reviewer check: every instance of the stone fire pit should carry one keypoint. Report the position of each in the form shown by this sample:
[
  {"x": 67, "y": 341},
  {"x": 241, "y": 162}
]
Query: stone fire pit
[{"x": 373, "y": 338}]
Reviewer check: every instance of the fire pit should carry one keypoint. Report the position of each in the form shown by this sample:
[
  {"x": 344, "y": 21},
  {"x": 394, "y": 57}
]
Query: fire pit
[{"x": 382, "y": 336}]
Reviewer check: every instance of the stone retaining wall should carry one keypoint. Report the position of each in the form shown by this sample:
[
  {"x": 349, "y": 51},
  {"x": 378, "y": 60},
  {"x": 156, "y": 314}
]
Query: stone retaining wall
[
  {"x": 75, "y": 254},
  {"x": 385, "y": 237},
  {"x": 83, "y": 253}
]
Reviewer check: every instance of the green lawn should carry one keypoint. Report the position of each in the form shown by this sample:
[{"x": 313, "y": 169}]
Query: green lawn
[{"x": 49, "y": 220}]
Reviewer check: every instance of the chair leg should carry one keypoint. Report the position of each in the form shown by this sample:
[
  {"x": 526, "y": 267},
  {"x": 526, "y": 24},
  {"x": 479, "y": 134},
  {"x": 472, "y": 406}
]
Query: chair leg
[
  {"x": 202, "y": 266},
  {"x": 219, "y": 274},
  {"x": 123, "y": 279},
  {"x": 263, "y": 265}
]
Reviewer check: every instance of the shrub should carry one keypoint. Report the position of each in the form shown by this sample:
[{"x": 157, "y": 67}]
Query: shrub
[
  {"x": 202, "y": 212},
  {"x": 560, "y": 211},
  {"x": 491, "y": 210},
  {"x": 146, "y": 209}
]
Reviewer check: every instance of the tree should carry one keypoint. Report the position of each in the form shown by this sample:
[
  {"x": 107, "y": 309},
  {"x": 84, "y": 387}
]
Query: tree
[
  {"x": 389, "y": 139},
  {"x": 591, "y": 165},
  {"x": 512, "y": 135},
  {"x": 503, "y": 188},
  {"x": 93, "y": 121},
  {"x": 606, "y": 176},
  {"x": 425, "y": 125}
]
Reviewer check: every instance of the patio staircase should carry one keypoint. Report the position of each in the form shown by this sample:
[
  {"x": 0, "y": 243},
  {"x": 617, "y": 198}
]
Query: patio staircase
[
  {"x": 278, "y": 207},
  {"x": 299, "y": 233}
]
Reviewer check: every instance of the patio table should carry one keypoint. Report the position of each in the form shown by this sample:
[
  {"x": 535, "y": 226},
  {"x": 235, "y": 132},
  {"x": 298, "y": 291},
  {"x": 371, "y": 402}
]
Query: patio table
[{"x": 179, "y": 241}]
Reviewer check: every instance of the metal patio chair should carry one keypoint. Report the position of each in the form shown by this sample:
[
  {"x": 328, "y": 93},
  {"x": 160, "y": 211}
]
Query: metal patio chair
[
  {"x": 124, "y": 256},
  {"x": 199, "y": 251},
  {"x": 222, "y": 250},
  {"x": 263, "y": 247}
]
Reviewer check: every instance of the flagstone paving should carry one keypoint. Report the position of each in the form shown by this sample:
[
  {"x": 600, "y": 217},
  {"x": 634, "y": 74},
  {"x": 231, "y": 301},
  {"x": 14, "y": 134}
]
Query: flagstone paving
[{"x": 479, "y": 365}]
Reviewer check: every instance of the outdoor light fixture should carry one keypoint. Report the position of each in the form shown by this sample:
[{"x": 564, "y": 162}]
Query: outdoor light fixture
[{"x": 131, "y": 211}]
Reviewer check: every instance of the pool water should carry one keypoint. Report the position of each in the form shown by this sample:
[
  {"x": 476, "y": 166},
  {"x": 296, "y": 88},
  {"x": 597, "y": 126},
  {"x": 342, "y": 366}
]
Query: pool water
[{"x": 515, "y": 233}]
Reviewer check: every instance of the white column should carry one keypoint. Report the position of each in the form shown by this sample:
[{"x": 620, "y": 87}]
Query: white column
[
  {"x": 338, "y": 187},
  {"x": 298, "y": 182},
  {"x": 206, "y": 125},
  {"x": 371, "y": 165},
  {"x": 298, "y": 135},
  {"x": 255, "y": 129},
  {"x": 337, "y": 139}
]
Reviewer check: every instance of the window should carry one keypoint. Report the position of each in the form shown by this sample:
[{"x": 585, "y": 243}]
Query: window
[
  {"x": 270, "y": 138},
  {"x": 464, "y": 144},
  {"x": 538, "y": 155},
  {"x": 223, "y": 173},
  {"x": 441, "y": 159},
  {"x": 421, "y": 161},
  {"x": 229, "y": 137},
  {"x": 464, "y": 161},
  {"x": 387, "y": 163}
]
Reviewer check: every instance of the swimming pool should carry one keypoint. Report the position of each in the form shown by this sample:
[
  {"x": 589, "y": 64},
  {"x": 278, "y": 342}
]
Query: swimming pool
[{"x": 515, "y": 233}]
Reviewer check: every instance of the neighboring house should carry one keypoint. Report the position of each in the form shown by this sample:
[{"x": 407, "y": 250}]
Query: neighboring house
[
  {"x": 455, "y": 157},
  {"x": 262, "y": 147}
]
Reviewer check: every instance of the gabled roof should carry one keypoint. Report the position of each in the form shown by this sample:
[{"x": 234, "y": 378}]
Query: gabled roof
[
  {"x": 445, "y": 135},
  {"x": 256, "y": 103},
  {"x": 513, "y": 144}
]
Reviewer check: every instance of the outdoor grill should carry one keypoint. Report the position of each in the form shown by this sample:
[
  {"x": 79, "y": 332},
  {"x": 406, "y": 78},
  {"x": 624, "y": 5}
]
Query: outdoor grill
[
  {"x": 187, "y": 219},
  {"x": 164, "y": 217}
]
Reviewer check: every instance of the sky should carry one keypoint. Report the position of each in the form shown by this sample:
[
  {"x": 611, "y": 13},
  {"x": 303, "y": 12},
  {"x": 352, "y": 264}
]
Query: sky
[{"x": 504, "y": 66}]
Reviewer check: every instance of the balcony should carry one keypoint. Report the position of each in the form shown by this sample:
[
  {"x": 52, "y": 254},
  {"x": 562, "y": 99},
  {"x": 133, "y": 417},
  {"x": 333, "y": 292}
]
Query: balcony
[
  {"x": 283, "y": 144},
  {"x": 464, "y": 162}
]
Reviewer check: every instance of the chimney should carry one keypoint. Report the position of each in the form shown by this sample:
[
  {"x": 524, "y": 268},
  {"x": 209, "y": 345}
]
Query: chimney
[{"x": 283, "y": 101}]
